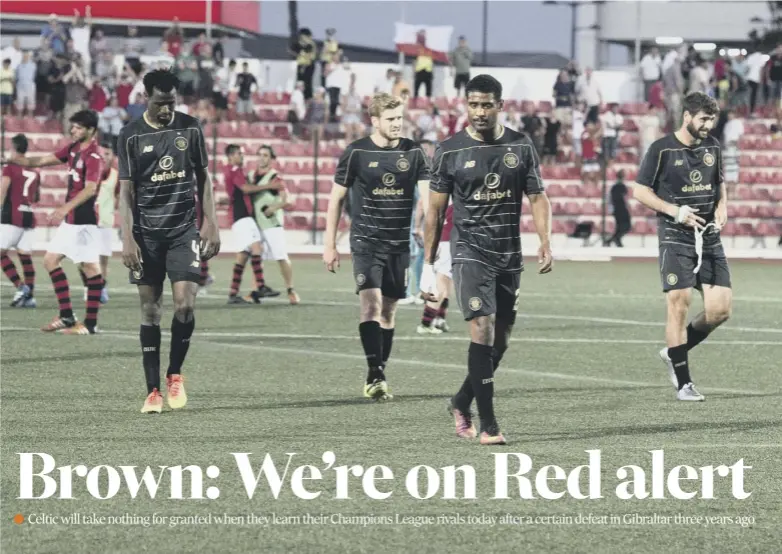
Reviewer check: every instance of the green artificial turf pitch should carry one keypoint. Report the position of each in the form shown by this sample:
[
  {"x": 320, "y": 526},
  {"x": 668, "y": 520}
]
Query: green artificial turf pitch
[{"x": 582, "y": 374}]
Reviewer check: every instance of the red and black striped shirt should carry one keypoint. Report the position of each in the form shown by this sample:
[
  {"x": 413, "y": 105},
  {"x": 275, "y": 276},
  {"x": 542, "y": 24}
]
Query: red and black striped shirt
[
  {"x": 22, "y": 193},
  {"x": 84, "y": 165}
]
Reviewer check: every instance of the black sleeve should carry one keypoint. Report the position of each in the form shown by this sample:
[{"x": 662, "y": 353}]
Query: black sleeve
[
  {"x": 345, "y": 174},
  {"x": 533, "y": 184},
  {"x": 198, "y": 155},
  {"x": 124, "y": 163},
  {"x": 650, "y": 165},
  {"x": 718, "y": 175},
  {"x": 442, "y": 178},
  {"x": 424, "y": 170}
]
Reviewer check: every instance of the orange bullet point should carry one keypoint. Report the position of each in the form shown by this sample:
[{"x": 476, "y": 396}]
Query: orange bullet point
[{"x": 18, "y": 519}]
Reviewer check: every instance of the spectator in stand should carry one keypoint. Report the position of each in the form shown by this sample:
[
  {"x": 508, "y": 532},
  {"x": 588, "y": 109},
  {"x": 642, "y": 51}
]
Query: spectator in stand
[
  {"x": 739, "y": 86},
  {"x": 297, "y": 109},
  {"x": 577, "y": 129},
  {"x": 429, "y": 125},
  {"x": 400, "y": 85},
  {"x": 124, "y": 90},
  {"x": 691, "y": 59},
  {"x": 99, "y": 45},
  {"x": 564, "y": 93},
  {"x": 6, "y": 86},
  {"x": 533, "y": 126},
  {"x": 136, "y": 109},
  {"x": 98, "y": 97},
  {"x": 80, "y": 35},
  {"x": 656, "y": 94},
  {"x": 57, "y": 86},
  {"x": 775, "y": 76},
  {"x": 44, "y": 62},
  {"x": 104, "y": 67},
  {"x": 424, "y": 71},
  {"x": 206, "y": 82},
  {"x": 133, "y": 48},
  {"x": 218, "y": 52},
  {"x": 337, "y": 80},
  {"x": 387, "y": 84},
  {"x": 13, "y": 52},
  {"x": 327, "y": 52},
  {"x": 590, "y": 151},
  {"x": 651, "y": 70},
  {"x": 111, "y": 121},
  {"x": 203, "y": 113},
  {"x": 55, "y": 35},
  {"x": 461, "y": 62},
  {"x": 188, "y": 74},
  {"x": 699, "y": 77},
  {"x": 611, "y": 123},
  {"x": 75, "y": 92},
  {"x": 305, "y": 51},
  {"x": 589, "y": 92},
  {"x": 25, "y": 85},
  {"x": 673, "y": 86},
  {"x": 573, "y": 71},
  {"x": 317, "y": 112},
  {"x": 551, "y": 139},
  {"x": 246, "y": 84},
  {"x": 755, "y": 64},
  {"x": 224, "y": 79},
  {"x": 352, "y": 111},
  {"x": 509, "y": 118},
  {"x": 649, "y": 128},
  {"x": 174, "y": 38},
  {"x": 731, "y": 135},
  {"x": 621, "y": 211}
]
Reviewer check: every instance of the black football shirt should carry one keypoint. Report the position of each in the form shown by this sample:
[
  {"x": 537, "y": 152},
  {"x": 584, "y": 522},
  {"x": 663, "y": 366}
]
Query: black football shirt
[
  {"x": 487, "y": 181},
  {"x": 685, "y": 176},
  {"x": 382, "y": 183},
  {"x": 162, "y": 165}
]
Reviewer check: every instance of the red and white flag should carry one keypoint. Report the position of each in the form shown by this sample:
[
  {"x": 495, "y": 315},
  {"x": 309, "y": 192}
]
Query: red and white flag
[{"x": 413, "y": 40}]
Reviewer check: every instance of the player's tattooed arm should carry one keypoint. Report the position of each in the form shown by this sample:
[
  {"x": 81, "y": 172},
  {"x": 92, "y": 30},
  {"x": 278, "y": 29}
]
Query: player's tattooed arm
[
  {"x": 541, "y": 216},
  {"x": 210, "y": 230},
  {"x": 330, "y": 254},
  {"x": 131, "y": 256}
]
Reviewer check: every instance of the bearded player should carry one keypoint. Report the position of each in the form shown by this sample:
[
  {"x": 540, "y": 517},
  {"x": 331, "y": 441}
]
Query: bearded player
[
  {"x": 486, "y": 169},
  {"x": 681, "y": 179},
  {"x": 163, "y": 165},
  {"x": 381, "y": 172},
  {"x": 77, "y": 236},
  {"x": 20, "y": 189}
]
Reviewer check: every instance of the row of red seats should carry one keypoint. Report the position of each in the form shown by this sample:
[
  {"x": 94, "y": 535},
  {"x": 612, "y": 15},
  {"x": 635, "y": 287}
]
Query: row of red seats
[
  {"x": 766, "y": 142},
  {"x": 761, "y": 160},
  {"x": 749, "y": 176}
]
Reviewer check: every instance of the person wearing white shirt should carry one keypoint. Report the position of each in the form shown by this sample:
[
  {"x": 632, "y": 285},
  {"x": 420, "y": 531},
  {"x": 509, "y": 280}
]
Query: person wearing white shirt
[
  {"x": 651, "y": 70},
  {"x": 589, "y": 92},
  {"x": 13, "y": 53},
  {"x": 337, "y": 80},
  {"x": 755, "y": 64},
  {"x": 429, "y": 124},
  {"x": 577, "y": 131},
  {"x": 611, "y": 121},
  {"x": 111, "y": 121},
  {"x": 25, "y": 84},
  {"x": 699, "y": 78},
  {"x": 386, "y": 85},
  {"x": 649, "y": 129}
]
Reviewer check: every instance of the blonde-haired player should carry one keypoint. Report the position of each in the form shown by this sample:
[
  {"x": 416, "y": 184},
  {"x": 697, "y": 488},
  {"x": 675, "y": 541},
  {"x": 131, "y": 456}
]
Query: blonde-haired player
[{"x": 383, "y": 171}]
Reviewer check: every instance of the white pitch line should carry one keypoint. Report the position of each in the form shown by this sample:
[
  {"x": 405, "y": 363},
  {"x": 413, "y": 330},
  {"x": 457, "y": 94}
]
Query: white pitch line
[
  {"x": 433, "y": 364},
  {"x": 453, "y": 337},
  {"x": 700, "y": 446}
]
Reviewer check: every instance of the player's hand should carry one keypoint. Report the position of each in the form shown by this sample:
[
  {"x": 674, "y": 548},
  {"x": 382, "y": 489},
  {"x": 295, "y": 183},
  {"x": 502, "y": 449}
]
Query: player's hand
[
  {"x": 210, "y": 242},
  {"x": 545, "y": 259},
  {"x": 686, "y": 215},
  {"x": 56, "y": 217},
  {"x": 721, "y": 215},
  {"x": 331, "y": 258},
  {"x": 131, "y": 254},
  {"x": 429, "y": 284}
]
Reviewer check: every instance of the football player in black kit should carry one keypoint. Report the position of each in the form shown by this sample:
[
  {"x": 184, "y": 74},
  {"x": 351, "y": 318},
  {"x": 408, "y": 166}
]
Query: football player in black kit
[
  {"x": 162, "y": 166},
  {"x": 681, "y": 179},
  {"x": 487, "y": 169},
  {"x": 382, "y": 172}
]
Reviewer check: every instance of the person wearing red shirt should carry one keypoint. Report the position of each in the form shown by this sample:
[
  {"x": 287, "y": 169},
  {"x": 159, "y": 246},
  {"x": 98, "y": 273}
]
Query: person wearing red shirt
[
  {"x": 76, "y": 237},
  {"x": 244, "y": 228},
  {"x": 19, "y": 191},
  {"x": 590, "y": 167}
]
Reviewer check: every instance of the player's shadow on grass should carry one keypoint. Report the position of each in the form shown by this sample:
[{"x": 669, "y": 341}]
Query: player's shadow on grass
[
  {"x": 634, "y": 430},
  {"x": 70, "y": 357}
]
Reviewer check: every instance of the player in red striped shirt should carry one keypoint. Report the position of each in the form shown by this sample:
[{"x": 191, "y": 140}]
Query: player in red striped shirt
[
  {"x": 433, "y": 320},
  {"x": 19, "y": 191},
  {"x": 77, "y": 236}
]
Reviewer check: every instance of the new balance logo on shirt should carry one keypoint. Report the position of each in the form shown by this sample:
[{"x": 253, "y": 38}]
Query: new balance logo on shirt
[{"x": 147, "y": 149}]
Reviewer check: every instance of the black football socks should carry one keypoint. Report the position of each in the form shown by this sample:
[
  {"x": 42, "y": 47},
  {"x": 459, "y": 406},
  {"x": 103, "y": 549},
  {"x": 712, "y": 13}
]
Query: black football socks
[
  {"x": 150, "y": 351},
  {"x": 388, "y": 343},
  {"x": 695, "y": 337},
  {"x": 180, "y": 344},
  {"x": 372, "y": 340},
  {"x": 678, "y": 356},
  {"x": 481, "y": 373}
]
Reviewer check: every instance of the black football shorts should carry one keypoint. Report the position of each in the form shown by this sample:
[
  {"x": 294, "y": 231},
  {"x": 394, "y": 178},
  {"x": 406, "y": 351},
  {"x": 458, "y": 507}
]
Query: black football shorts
[
  {"x": 482, "y": 290},
  {"x": 179, "y": 258},
  {"x": 387, "y": 272},
  {"x": 678, "y": 262}
]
